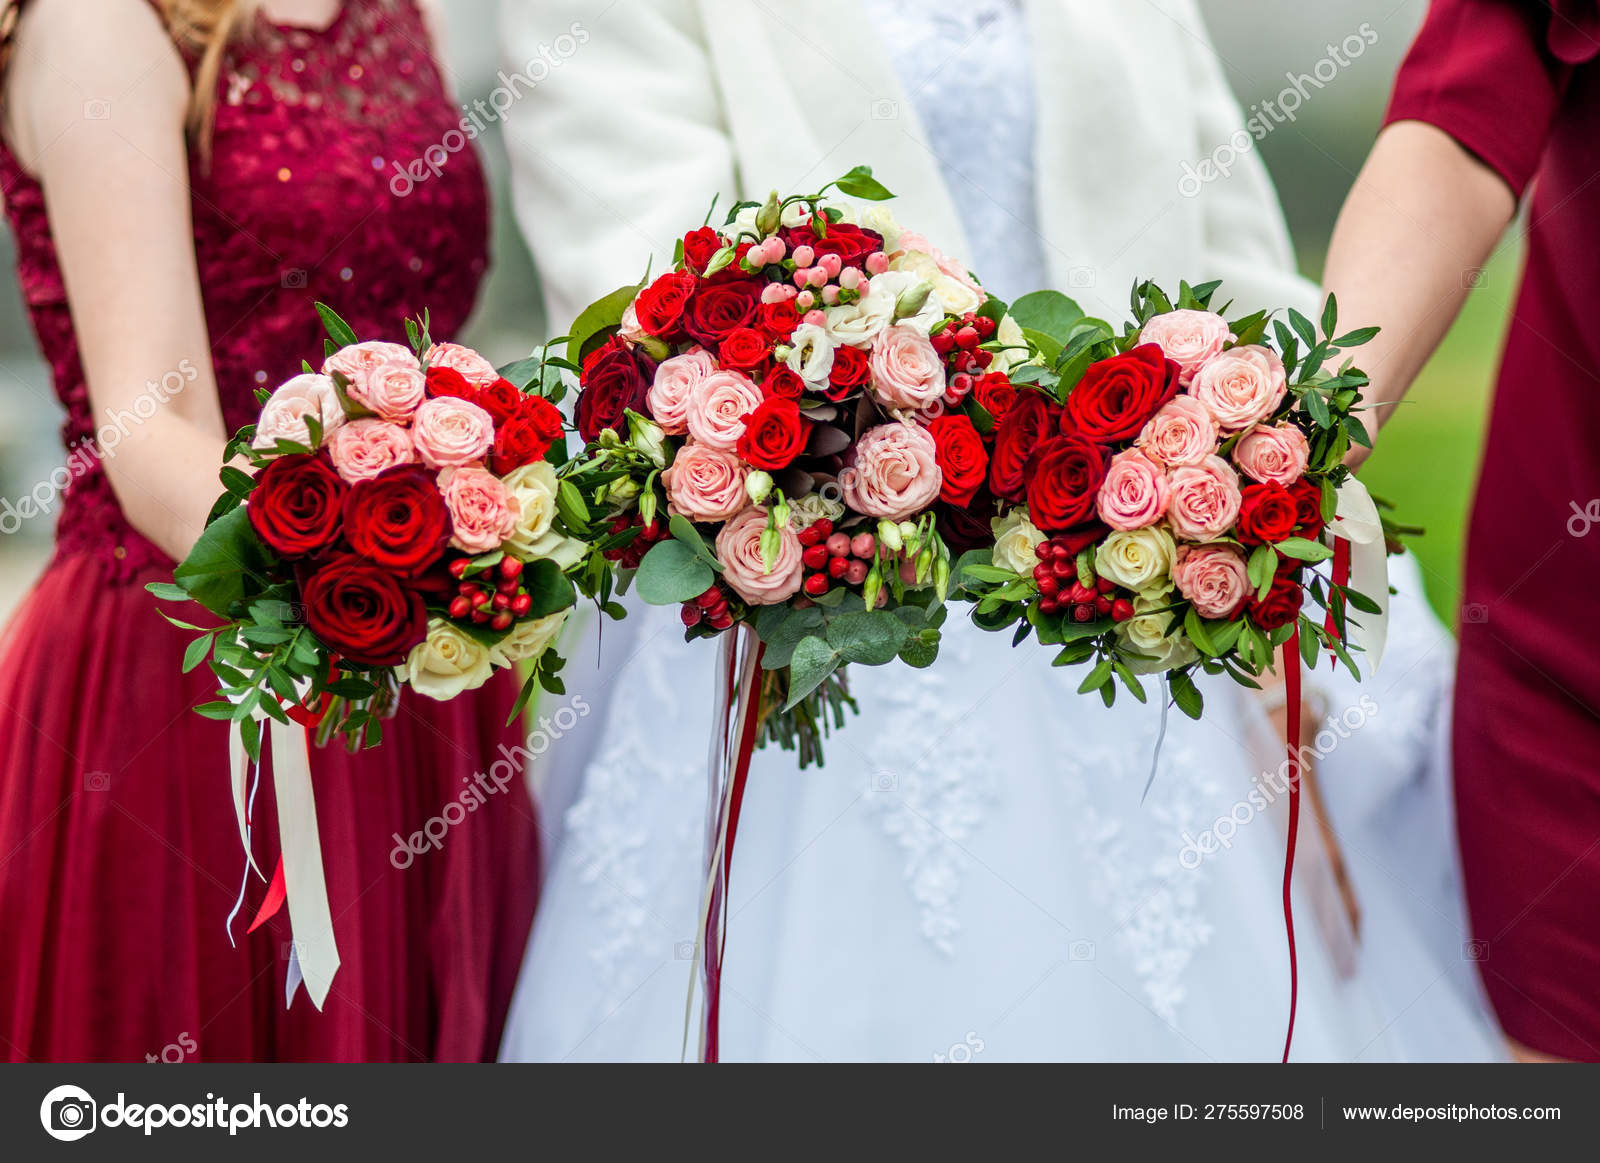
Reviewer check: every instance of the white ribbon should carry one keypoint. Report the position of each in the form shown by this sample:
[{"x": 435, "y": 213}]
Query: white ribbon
[{"x": 1356, "y": 520}]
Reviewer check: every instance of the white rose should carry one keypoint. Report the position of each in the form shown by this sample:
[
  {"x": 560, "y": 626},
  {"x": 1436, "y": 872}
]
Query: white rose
[
  {"x": 1146, "y": 633},
  {"x": 881, "y": 219},
  {"x": 884, "y": 290},
  {"x": 811, "y": 355},
  {"x": 534, "y": 487},
  {"x": 1009, "y": 333},
  {"x": 1138, "y": 559},
  {"x": 957, "y": 294},
  {"x": 447, "y": 662},
  {"x": 529, "y": 639},
  {"x": 1015, "y": 539}
]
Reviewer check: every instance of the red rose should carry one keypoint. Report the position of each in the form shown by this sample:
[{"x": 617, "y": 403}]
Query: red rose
[
  {"x": 615, "y": 378},
  {"x": 1282, "y": 604},
  {"x": 961, "y": 457},
  {"x": 780, "y": 381},
  {"x": 778, "y": 320},
  {"x": 398, "y": 519},
  {"x": 774, "y": 434},
  {"x": 699, "y": 246},
  {"x": 994, "y": 393},
  {"x": 1076, "y": 540},
  {"x": 1267, "y": 514},
  {"x": 851, "y": 370},
  {"x": 967, "y": 527},
  {"x": 659, "y": 307},
  {"x": 1307, "y": 496},
  {"x": 446, "y": 381},
  {"x": 501, "y": 399},
  {"x": 1116, "y": 396},
  {"x": 850, "y": 242},
  {"x": 361, "y": 611},
  {"x": 718, "y": 309},
  {"x": 526, "y": 437},
  {"x": 1063, "y": 481},
  {"x": 1029, "y": 420},
  {"x": 745, "y": 349},
  {"x": 296, "y": 504}
]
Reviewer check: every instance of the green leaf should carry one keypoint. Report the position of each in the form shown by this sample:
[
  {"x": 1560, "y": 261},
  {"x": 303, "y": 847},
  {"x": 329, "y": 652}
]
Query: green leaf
[
  {"x": 1097, "y": 677},
  {"x": 1048, "y": 345},
  {"x": 814, "y": 660},
  {"x": 599, "y": 316},
  {"x": 918, "y": 652},
  {"x": 1330, "y": 315},
  {"x": 1308, "y": 643},
  {"x": 1185, "y": 695},
  {"x": 1130, "y": 680},
  {"x": 1195, "y": 628},
  {"x": 868, "y": 637},
  {"x": 1303, "y": 328},
  {"x": 1263, "y": 568},
  {"x": 338, "y": 330},
  {"x": 859, "y": 183},
  {"x": 683, "y": 529},
  {"x": 1047, "y": 312},
  {"x": 168, "y": 591},
  {"x": 549, "y": 589},
  {"x": 1360, "y": 601},
  {"x": 672, "y": 573},
  {"x": 1357, "y": 337},
  {"x": 1317, "y": 407},
  {"x": 227, "y": 555},
  {"x": 218, "y": 710},
  {"x": 1302, "y": 549},
  {"x": 196, "y": 653}
]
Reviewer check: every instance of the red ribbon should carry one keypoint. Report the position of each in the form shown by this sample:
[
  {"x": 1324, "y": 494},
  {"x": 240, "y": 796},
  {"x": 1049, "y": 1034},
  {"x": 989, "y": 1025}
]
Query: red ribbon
[
  {"x": 1341, "y": 579},
  {"x": 716, "y": 934},
  {"x": 277, "y": 892},
  {"x": 1291, "y": 687}
]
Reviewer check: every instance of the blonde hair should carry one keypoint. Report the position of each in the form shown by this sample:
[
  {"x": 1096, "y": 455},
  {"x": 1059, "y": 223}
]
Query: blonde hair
[{"x": 205, "y": 28}]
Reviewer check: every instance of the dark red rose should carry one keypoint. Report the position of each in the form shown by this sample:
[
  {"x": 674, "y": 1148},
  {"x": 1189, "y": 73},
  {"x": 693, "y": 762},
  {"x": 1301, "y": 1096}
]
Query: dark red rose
[
  {"x": 446, "y": 381},
  {"x": 774, "y": 434},
  {"x": 850, "y": 242},
  {"x": 397, "y": 519},
  {"x": 1116, "y": 396},
  {"x": 994, "y": 393},
  {"x": 1063, "y": 481},
  {"x": 778, "y": 320},
  {"x": 967, "y": 527},
  {"x": 780, "y": 381},
  {"x": 526, "y": 437},
  {"x": 699, "y": 246},
  {"x": 659, "y": 307},
  {"x": 1281, "y": 605},
  {"x": 718, "y": 309},
  {"x": 961, "y": 457},
  {"x": 1028, "y": 421},
  {"x": 501, "y": 399},
  {"x": 1267, "y": 514},
  {"x": 1307, "y": 496},
  {"x": 1076, "y": 540},
  {"x": 615, "y": 377},
  {"x": 745, "y": 349},
  {"x": 850, "y": 371},
  {"x": 361, "y": 611},
  {"x": 297, "y": 503}
]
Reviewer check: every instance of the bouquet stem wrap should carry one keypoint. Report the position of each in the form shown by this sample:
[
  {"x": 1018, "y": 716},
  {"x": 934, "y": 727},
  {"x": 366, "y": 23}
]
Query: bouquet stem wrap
[{"x": 1291, "y": 687}]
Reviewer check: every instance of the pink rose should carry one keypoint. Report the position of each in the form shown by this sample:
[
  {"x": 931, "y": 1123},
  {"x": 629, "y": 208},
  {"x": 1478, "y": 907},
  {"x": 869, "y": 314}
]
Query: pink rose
[
  {"x": 284, "y": 414},
  {"x": 1135, "y": 492},
  {"x": 906, "y": 371},
  {"x": 1213, "y": 577},
  {"x": 1240, "y": 387},
  {"x": 676, "y": 380},
  {"x": 739, "y": 551},
  {"x": 355, "y": 361},
  {"x": 476, "y": 370},
  {"x": 1274, "y": 455},
  {"x": 362, "y": 449},
  {"x": 483, "y": 512},
  {"x": 705, "y": 484},
  {"x": 718, "y": 406},
  {"x": 1205, "y": 499},
  {"x": 1189, "y": 338},
  {"x": 893, "y": 472},
  {"x": 449, "y": 432},
  {"x": 1183, "y": 432},
  {"x": 392, "y": 390}
]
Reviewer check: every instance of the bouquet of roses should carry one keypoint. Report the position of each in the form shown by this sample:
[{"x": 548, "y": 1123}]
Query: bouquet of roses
[{"x": 775, "y": 427}]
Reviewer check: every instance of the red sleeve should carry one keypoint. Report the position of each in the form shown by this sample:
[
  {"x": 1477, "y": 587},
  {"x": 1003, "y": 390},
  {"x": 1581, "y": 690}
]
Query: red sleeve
[{"x": 1481, "y": 71}]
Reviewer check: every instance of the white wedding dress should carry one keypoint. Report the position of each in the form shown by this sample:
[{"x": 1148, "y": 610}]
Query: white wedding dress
[{"x": 972, "y": 875}]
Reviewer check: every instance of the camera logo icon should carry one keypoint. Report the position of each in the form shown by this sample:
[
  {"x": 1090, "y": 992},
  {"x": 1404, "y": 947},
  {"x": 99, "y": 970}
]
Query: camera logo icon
[
  {"x": 884, "y": 109},
  {"x": 683, "y": 951},
  {"x": 1476, "y": 950},
  {"x": 1081, "y": 951},
  {"x": 1475, "y": 612},
  {"x": 1473, "y": 277},
  {"x": 68, "y": 1113},
  {"x": 97, "y": 109},
  {"x": 295, "y": 279},
  {"x": 97, "y": 781}
]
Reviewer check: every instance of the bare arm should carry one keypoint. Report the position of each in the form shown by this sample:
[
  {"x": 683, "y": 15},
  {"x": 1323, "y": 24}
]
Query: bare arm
[
  {"x": 1422, "y": 217},
  {"x": 117, "y": 189}
]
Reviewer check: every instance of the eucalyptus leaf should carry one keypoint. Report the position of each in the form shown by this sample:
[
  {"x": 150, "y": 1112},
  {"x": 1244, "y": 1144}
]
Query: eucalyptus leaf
[{"x": 672, "y": 573}]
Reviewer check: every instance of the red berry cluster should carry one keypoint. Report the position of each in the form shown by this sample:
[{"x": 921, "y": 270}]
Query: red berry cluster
[
  {"x": 834, "y": 557},
  {"x": 1056, "y": 575},
  {"x": 957, "y": 345},
  {"x": 711, "y": 608},
  {"x": 630, "y": 555},
  {"x": 494, "y": 596}
]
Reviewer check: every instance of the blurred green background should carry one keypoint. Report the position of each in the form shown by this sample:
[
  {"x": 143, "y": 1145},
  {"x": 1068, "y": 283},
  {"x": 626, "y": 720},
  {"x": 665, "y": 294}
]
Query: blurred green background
[{"x": 1427, "y": 458}]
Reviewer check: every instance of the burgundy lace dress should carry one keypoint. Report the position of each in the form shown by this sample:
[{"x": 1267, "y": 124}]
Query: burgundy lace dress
[{"x": 119, "y": 856}]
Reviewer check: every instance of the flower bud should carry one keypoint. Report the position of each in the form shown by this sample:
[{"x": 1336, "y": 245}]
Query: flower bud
[
  {"x": 889, "y": 537},
  {"x": 770, "y": 217},
  {"x": 912, "y": 299},
  {"x": 621, "y": 490},
  {"x": 647, "y": 507},
  {"x": 871, "y": 587},
  {"x": 757, "y": 486},
  {"x": 941, "y": 578},
  {"x": 647, "y": 438}
]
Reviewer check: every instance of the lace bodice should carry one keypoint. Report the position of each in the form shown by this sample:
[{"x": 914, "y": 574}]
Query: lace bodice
[
  {"x": 967, "y": 69},
  {"x": 307, "y": 197}
]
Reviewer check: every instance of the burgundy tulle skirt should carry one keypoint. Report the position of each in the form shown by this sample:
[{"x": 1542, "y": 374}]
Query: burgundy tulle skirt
[{"x": 120, "y": 859}]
